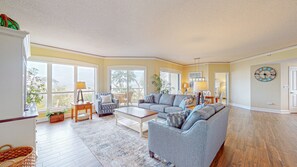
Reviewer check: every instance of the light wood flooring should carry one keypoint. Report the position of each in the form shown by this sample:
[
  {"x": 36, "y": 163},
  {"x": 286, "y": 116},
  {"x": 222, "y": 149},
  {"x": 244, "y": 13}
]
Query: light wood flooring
[{"x": 253, "y": 139}]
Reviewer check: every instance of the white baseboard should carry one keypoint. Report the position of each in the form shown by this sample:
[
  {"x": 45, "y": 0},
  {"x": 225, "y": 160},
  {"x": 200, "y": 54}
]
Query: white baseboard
[
  {"x": 270, "y": 110},
  {"x": 261, "y": 109},
  {"x": 240, "y": 106}
]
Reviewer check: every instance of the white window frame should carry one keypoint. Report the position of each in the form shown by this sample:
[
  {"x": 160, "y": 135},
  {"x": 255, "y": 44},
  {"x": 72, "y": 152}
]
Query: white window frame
[
  {"x": 168, "y": 70},
  {"x": 50, "y": 61}
]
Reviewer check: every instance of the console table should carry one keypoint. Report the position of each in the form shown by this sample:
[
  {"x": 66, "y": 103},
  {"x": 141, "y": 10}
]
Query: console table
[{"x": 75, "y": 107}]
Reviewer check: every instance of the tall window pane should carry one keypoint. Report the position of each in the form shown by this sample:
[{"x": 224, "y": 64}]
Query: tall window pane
[
  {"x": 87, "y": 74},
  {"x": 61, "y": 100},
  {"x": 171, "y": 81},
  {"x": 63, "y": 78},
  {"x": 37, "y": 76}
]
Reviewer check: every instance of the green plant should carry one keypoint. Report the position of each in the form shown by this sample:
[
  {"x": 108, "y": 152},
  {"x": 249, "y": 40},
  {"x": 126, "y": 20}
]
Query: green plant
[
  {"x": 35, "y": 86},
  {"x": 49, "y": 113},
  {"x": 161, "y": 85},
  {"x": 157, "y": 82}
]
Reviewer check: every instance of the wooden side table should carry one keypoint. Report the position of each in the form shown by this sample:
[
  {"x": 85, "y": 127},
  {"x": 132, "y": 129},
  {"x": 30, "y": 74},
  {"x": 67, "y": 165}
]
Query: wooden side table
[{"x": 75, "y": 107}]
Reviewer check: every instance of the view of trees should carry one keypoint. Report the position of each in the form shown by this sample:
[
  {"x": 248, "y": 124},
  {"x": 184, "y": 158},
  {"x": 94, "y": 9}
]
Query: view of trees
[{"x": 127, "y": 85}]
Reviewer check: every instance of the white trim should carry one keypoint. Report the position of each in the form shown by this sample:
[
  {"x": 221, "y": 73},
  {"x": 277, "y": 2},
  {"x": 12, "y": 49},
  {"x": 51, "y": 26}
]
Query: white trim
[
  {"x": 270, "y": 110},
  {"x": 264, "y": 54},
  {"x": 12, "y": 32},
  {"x": 240, "y": 106},
  {"x": 127, "y": 67},
  {"x": 103, "y": 57}
]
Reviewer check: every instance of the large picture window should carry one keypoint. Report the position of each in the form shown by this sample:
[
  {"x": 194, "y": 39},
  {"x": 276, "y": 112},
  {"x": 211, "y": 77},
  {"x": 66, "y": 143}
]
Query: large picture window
[
  {"x": 172, "y": 81},
  {"x": 60, "y": 82}
]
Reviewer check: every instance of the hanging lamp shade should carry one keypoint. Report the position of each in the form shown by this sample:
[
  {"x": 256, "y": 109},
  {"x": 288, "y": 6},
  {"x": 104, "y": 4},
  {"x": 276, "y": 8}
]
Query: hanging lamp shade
[{"x": 5, "y": 21}]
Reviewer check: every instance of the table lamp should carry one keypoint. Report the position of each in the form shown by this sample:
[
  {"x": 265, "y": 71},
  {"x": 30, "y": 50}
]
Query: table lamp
[
  {"x": 199, "y": 87},
  {"x": 79, "y": 86}
]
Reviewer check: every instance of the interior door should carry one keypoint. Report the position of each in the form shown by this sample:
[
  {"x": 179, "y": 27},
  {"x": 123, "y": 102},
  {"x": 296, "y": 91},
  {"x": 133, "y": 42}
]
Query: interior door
[{"x": 293, "y": 89}]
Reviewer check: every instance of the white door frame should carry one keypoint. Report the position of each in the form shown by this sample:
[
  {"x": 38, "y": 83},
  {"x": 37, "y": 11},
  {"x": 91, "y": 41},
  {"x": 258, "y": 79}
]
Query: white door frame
[
  {"x": 291, "y": 109},
  {"x": 227, "y": 85}
]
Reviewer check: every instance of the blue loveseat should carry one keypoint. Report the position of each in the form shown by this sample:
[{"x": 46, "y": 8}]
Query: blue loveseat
[
  {"x": 196, "y": 146},
  {"x": 164, "y": 103}
]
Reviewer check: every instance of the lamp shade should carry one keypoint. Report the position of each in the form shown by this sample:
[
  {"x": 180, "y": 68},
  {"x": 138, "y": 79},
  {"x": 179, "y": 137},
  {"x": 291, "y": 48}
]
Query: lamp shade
[
  {"x": 200, "y": 86},
  {"x": 80, "y": 85},
  {"x": 185, "y": 85}
]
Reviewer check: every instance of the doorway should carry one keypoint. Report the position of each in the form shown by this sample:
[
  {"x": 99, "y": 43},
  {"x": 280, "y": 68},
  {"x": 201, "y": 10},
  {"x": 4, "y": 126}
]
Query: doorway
[
  {"x": 293, "y": 89},
  {"x": 127, "y": 85},
  {"x": 221, "y": 90}
]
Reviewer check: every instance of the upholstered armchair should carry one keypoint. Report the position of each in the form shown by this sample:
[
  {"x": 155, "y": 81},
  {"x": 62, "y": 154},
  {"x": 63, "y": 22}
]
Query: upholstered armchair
[{"x": 103, "y": 109}]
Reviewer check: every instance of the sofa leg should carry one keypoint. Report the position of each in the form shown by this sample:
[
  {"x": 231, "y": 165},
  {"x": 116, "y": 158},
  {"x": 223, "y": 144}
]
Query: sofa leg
[{"x": 152, "y": 154}]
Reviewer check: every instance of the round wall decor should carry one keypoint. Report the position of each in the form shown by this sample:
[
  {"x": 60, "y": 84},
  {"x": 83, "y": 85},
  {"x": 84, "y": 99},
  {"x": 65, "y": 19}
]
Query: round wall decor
[{"x": 265, "y": 74}]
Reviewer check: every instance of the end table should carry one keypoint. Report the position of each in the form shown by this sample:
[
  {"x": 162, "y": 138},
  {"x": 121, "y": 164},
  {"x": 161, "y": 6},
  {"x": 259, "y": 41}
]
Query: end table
[{"x": 75, "y": 107}]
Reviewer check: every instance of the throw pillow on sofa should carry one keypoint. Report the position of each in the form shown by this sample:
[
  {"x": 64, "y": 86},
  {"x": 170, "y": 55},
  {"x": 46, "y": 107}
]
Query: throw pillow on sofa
[
  {"x": 149, "y": 99},
  {"x": 106, "y": 99},
  {"x": 200, "y": 114},
  {"x": 176, "y": 119},
  {"x": 186, "y": 102}
]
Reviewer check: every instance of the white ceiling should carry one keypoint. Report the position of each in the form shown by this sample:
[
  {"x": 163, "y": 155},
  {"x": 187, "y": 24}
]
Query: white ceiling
[{"x": 175, "y": 30}]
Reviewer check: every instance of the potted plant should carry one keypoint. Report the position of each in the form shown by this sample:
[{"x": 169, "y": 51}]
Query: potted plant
[
  {"x": 55, "y": 116},
  {"x": 35, "y": 86},
  {"x": 161, "y": 85}
]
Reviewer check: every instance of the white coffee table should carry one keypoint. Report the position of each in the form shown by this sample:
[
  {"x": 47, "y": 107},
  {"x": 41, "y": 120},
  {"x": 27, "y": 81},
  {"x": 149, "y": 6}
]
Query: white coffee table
[{"x": 134, "y": 118}]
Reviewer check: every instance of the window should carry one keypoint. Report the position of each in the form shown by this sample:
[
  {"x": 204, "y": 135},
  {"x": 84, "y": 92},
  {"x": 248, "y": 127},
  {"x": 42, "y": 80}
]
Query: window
[
  {"x": 127, "y": 85},
  {"x": 39, "y": 70},
  {"x": 62, "y": 85},
  {"x": 171, "y": 81},
  {"x": 87, "y": 74},
  {"x": 60, "y": 82}
]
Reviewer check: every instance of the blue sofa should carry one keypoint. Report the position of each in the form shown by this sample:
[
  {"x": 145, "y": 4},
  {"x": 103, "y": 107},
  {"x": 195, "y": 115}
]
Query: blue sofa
[
  {"x": 194, "y": 147},
  {"x": 164, "y": 103}
]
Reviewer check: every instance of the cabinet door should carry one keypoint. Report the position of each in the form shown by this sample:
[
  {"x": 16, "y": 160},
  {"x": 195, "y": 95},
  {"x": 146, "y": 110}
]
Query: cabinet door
[{"x": 11, "y": 72}]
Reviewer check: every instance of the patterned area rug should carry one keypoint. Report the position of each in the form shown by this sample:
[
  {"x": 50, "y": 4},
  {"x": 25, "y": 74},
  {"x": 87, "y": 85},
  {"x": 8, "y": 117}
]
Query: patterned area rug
[{"x": 115, "y": 146}]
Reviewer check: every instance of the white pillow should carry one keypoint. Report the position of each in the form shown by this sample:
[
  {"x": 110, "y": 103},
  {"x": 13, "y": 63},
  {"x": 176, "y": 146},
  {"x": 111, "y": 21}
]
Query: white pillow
[{"x": 106, "y": 99}]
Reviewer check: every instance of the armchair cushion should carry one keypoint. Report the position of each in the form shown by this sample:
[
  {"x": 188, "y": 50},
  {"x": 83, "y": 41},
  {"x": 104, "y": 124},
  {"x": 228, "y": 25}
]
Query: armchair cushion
[
  {"x": 149, "y": 99},
  {"x": 106, "y": 99},
  {"x": 202, "y": 114}
]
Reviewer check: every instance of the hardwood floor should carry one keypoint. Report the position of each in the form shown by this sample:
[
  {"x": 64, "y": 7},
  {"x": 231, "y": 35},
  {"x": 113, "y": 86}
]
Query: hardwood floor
[
  {"x": 259, "y": 139},
  {"x": 59, "y": 146},
  {"x": 253, "y": 139}
]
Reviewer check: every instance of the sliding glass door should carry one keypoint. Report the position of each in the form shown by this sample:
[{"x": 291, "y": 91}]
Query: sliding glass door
[{"x": 127, "y": 85}]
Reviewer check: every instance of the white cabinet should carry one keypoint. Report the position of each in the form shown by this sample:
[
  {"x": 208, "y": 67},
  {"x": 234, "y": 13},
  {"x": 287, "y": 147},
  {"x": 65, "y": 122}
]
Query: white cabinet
[{"x": 16, "y": 127}]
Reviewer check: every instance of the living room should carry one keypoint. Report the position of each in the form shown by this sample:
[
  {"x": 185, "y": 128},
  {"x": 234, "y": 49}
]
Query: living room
[{"x": 123, "y": 88}]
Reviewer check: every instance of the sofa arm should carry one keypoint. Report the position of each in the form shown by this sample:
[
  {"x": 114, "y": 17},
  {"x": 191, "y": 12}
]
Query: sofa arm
[
  {"x": 98, "y": 106},
  {"x": 116, "y": 101}
]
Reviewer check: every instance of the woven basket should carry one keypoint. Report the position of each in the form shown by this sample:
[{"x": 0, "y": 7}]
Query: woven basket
[{"x": 23, "y": 156}]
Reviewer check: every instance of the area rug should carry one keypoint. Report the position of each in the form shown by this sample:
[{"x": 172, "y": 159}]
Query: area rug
[{"x": 115, "y": 145}]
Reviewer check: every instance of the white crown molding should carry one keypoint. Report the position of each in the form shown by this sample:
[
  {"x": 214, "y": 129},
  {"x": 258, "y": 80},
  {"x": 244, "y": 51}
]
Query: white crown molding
[
  {"x": 104, "y": 57},
  {"x": 264, "y": 54}
]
